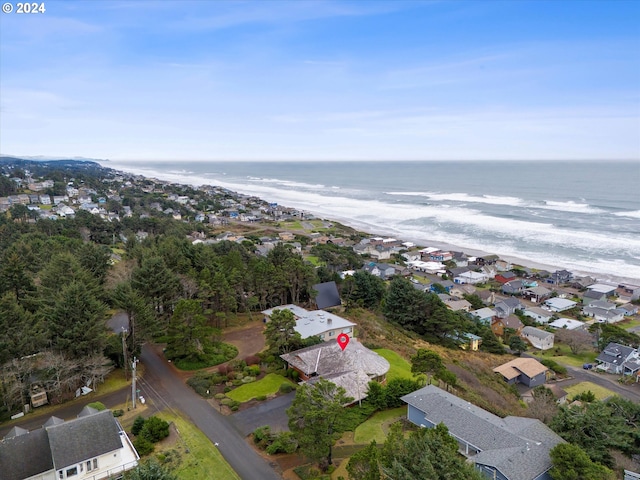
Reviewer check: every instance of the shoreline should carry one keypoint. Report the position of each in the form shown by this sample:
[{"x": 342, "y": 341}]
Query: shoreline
[{"x": 374, "y": 230}]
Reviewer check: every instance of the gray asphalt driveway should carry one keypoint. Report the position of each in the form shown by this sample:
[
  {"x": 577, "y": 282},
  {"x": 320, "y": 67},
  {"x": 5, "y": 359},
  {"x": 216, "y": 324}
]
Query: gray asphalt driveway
[{"x": 272, "y": 413}]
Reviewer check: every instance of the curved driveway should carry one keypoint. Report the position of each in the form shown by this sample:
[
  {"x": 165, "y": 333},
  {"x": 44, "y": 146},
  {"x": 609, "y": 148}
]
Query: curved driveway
[{"x": 164, "y": 386}]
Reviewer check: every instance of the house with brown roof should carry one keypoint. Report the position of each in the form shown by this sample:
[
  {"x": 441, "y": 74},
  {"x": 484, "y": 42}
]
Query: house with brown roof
[
  {"x": 527, "y": 371},
  {"x": 499, "y": 325}
]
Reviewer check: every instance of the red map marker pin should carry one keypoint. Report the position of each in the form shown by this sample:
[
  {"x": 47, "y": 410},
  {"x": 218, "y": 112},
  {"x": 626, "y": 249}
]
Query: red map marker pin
[{"x": 343, "y": 340}]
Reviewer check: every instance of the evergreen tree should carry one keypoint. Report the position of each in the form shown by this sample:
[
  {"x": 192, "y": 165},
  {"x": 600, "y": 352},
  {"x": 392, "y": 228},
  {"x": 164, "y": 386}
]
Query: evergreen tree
[
  {"x": 280, "y": 332},
  {"x": 77, "y": 321},
  {"x": 316, "y": 417},
  {"x": 570, "y": 462}
]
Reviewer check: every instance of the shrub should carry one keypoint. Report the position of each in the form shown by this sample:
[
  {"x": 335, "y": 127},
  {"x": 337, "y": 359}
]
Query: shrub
[
  {"x": 155, "y": 429},
  {"x": 286, "y": 388},
  {"x": 138, "y": 423},
  {"x": 97, "y": 405},
  {"x": 253, "y": 370},
  {"x": 248, "y": 379},
  {"x": 262, "y": 435},
  {"x": 219, "y": 396},
  {"x": 283, "y": 442},
  {"x": 118, "y": 413},
  {"x": 553, "y": 365},
  {"x": 143, "y": 446},
  {"x": 261, "y": 398},
  {"x": 223, "y": 369},
  {"x": 252, "y": 360}
]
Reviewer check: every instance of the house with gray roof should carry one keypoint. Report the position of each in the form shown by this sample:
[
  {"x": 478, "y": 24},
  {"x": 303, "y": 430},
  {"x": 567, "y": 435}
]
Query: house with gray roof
[
  {"x": 536, "y": 294},
  {"x": 539, "y": 339},
  {"x": 558, "y": 304},
  {"x": 351, "y": 368},
  {"x": 316, "y": 323},
  {"x": 91, "y": 446},
  {"x": 614, "y": 355},
  {"x": 484, "y": 315},
  {"x": 540, "y": 315},
  {"x": 604, "y": 312},
  {"x": 507, "y": 306},
  {"x": 591, "y": 296},
  {"x": 510, "y": 448}
]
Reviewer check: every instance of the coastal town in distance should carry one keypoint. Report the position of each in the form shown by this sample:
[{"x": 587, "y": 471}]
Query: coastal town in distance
[{"x": 230, "y": 308}]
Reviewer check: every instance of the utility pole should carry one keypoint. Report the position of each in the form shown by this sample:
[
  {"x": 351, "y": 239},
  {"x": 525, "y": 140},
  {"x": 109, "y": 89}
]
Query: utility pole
[
  {"x": 133, "y": 382},
  {"x": 124, "y": 351}
]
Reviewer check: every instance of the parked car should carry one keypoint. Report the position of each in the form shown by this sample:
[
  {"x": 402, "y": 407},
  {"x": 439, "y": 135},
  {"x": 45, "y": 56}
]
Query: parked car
[{"x": 587, "y": 366}]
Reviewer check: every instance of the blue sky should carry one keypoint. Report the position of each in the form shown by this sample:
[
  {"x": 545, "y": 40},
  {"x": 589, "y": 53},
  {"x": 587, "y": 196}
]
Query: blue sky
[{"x": 294, "y": 80}]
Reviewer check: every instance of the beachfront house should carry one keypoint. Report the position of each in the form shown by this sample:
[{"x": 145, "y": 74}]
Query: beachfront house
[
  {"x": 93, "y": 446},
  {"x": 540, "y": 339},
  {"x": 316, "y": 323},
  {"x": 510, "y": 448},
  {"x": 627, "y": 292}
]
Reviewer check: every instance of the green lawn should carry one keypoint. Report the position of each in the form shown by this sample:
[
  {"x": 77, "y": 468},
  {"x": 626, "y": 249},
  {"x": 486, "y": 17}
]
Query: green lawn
[
  {"x": 315, "y": 261},
  {"x": 198, "y": 457},
  {"x": 375, "y": 428},
  {"x": 400, "y": 368},
  {"x": 265, "y": 386},
  {"x": 293, "y": 225},
  {"x": 562, "y": 354},
  {"x": 629, "y": 322},
  {"x": 600, "y": 392}
]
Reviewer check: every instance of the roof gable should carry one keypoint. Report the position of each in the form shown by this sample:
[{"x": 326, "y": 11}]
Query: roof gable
[
  {"x": 25, "y": 455},
  {"x": 83, "y": 438},
  {"x": 516, "y": 446}
]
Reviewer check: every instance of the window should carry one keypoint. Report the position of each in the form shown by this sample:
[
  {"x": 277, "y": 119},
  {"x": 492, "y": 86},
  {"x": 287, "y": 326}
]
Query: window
[
  {"x": 95, "y": 463},
  {"x": 61, "y": 474},
  {"x": 72, "y": 471},
  {"x": 88, "y": 465},
  {"x": 331, "y": 334}
]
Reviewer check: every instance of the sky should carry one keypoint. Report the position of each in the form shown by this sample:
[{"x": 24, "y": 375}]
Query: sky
[{"x": 323, "y": 80}]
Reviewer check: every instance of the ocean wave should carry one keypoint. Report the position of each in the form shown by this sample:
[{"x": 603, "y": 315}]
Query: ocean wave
[
  {"x": 632, "y": 214},
  {"x": 463, "y": 226},
  {"x": 465, "y": 198},
  {"x": 288, "y": 183},
  {"x": 569, "y": 206}
]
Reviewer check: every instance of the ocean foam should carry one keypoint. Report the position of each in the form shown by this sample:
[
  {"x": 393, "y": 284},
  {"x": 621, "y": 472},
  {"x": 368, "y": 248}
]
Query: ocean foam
[
  {"x": 465, "y": 198},
  {"x": 569, "y": 206},
  {"x": 632, "y": 214}
]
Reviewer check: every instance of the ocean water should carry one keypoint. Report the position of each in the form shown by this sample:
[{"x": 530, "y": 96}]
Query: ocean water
[{"x": 582, "y": 216}]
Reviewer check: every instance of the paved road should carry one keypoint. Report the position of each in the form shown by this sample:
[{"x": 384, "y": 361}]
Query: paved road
[
  {"x": 164, "y": 386},
  {"x": 606, "y": 380},
  {"x": 272, "y": 413},
  {"x": 68, "y": 410}
]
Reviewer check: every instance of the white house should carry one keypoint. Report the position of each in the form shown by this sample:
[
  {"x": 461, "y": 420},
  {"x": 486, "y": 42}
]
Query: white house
[
  {"x": 538, "y": 338},
  {"x": 540, "y": 315},
  {"x": 316, "y": 322},
  {"x": 93, "y": 446},
  {"x": 559, "y": 304},
  {"x": 471, "y": 277}
]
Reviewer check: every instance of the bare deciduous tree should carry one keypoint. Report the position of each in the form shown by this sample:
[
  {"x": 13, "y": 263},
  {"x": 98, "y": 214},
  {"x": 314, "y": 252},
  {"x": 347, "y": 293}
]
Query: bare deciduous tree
[{"x": 577, "y": 340}]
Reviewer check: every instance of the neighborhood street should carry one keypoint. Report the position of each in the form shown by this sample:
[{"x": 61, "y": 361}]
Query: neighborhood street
[{"x": 165, "y": 387}]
